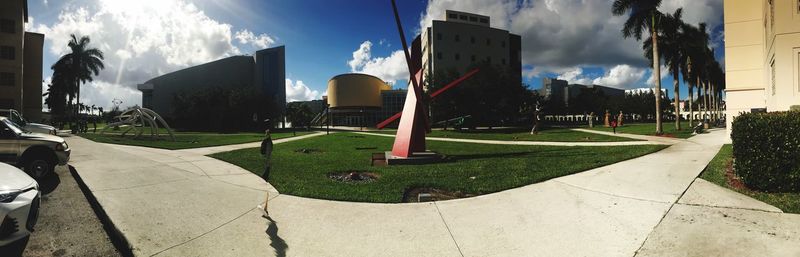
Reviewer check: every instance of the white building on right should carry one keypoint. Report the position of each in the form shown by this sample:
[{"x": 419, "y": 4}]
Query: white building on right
[{"x": 762, "y": 48}]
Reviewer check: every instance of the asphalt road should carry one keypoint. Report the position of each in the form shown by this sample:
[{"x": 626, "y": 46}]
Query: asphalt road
[{"x": 67, "y": 224}]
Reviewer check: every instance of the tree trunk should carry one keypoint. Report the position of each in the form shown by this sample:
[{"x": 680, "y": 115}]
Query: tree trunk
[
  {"x": 691, "y": 103},
  {"x": 656, "y": 74},
  {"x": 676, "y": 92},
  {"x": 705, "y": 101}
]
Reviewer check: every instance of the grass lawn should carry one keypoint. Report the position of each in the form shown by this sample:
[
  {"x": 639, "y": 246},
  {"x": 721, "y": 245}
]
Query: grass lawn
[
  {"x": 468, "y": 168},
  {"x": 715, "y": 173},
  {"x": 649, "y": 129},
  {"x": 523, "y": 134},
  {"x": 184, "y": 140}
]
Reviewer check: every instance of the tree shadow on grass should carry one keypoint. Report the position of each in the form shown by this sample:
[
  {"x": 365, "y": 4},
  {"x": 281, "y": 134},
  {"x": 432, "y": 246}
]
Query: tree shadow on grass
[{"x": 276, "y": 242}]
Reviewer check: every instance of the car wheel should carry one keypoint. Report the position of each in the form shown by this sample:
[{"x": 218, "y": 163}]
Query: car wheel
[{"x": 38, "y": 168}]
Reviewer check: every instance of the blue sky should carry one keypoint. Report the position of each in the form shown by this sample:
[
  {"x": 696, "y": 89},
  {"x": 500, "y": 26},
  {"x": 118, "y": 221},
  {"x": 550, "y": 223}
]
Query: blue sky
[{"x": 146, "y": 38}]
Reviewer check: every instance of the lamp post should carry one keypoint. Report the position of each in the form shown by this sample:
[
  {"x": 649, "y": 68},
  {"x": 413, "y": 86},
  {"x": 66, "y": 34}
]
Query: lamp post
[{"x": 328, "y": 124}]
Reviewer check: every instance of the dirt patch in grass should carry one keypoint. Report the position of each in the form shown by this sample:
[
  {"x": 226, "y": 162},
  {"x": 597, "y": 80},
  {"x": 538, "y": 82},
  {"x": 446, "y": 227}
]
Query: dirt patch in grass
[
  {"x": 412, "y": 195},
  {"x": 308, "y": 150},
  {"x": 733, "y": 180},
  {"x": 354, "y": 177}
]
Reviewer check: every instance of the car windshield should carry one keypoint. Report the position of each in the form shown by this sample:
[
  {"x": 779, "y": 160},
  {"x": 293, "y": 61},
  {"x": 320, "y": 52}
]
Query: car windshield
[{"x": 14, "y": 127}]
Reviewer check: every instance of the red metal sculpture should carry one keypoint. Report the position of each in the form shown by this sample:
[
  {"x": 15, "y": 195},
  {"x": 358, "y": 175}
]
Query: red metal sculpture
[{"x": 414, "y": 123}]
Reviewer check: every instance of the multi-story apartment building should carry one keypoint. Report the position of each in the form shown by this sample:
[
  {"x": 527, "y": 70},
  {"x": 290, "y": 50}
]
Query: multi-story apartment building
[
  {"x": 20, "y": 61},
  {"x": 464, "y": 39},
  {"x": 762, "y": 53}
]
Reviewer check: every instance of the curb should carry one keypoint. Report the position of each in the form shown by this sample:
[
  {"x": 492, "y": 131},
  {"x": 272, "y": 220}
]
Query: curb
[{"x": 114, "y": 234}]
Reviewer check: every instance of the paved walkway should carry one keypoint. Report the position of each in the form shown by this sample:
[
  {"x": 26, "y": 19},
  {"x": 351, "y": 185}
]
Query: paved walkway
[
  {"x": 179, "y": 203},
  {"x": 507, "y": 142},
  {"x": 227, "y": 148}
]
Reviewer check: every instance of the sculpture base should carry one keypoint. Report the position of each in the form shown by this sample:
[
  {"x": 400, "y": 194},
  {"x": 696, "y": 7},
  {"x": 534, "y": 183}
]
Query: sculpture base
[{"x": 426, "y": 157}]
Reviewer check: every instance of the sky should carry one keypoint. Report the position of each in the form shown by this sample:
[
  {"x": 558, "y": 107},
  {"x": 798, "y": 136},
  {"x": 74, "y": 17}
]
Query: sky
[{"x": 576, "y": 40}]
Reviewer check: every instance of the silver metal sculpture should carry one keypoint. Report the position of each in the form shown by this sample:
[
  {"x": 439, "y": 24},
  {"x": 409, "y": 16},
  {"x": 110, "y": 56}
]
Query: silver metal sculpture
[{"x": 138, "y": 119}]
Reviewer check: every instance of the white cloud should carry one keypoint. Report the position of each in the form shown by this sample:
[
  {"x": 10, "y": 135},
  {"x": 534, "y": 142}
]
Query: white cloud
[
  {"x": 247, "y": 37},
  {"x": 143, "y": 39},
  {"x": 664, "y": 74},
  {"x": 390, "y": 69},
  {"x": 620, "y": 76},
  {"x": 563, "y": 34},
  {"x": 298, "y": 91}
]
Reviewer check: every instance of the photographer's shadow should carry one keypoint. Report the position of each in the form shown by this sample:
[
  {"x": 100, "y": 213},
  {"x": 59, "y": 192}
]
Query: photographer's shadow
[{"x": 276, "y": 242}]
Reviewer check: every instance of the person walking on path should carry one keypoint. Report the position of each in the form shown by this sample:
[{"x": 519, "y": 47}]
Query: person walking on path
[{"x": 266, "y": 150}]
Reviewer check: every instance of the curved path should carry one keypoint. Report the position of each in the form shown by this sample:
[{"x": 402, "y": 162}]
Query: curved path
[{"x": 180, "y": 203}]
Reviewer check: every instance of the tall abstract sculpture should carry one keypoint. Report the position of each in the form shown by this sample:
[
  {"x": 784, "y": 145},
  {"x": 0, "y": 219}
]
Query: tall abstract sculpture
[
  {"x": 138, "y": 119},
  {"x": 414, "y": 120}
]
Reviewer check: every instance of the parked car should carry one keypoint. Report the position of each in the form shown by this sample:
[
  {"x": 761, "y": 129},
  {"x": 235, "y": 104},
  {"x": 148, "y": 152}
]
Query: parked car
[
  {"x": 37, "y": 154},
  {"x": 17, "y": 118},
  {"x": 19, "y": 205}
]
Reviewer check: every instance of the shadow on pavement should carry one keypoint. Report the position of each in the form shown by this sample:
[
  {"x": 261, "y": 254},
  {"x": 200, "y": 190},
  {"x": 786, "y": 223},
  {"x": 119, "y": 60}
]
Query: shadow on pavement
[
  {"x": 49, "y": 183},
  {"x": 276, "y": 242},
  {"x": 15, "y": 249}
]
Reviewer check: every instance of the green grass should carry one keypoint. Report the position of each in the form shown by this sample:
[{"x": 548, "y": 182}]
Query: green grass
[
  {"x": 715, "y": 173},
  {"x": 184, "y": 140},
  {"x": 469, "y": 168},
  {"x": 649, "y": 129},
  {"x": 523, "y": 134}
]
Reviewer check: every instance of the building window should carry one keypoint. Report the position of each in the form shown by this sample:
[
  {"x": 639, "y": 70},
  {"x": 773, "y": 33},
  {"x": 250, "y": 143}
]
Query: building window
[
  {"x": 453, "y": 16},
  {"x": 8, "y": 26},
  {"x": 438, "y": 36},
  {"x": 439, "y": 55},
  {"x": 7, "y": 52},
  {"x": 463, "y": 17},
  {"x": 488, "y": 42},
  {"x": 458, "y": 38},
  {"x": 458, "y": 57},
  {"x": 473, "y": 19},
  {"x": 6, "y": 79},
  {"x": 484, "y": 20}
]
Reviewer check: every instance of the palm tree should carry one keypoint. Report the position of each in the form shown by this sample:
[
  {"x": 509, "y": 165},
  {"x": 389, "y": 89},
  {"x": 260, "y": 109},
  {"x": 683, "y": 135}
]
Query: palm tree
[
  {"x": 82, "y": 63},
  {"x": 695, "y": 49},
  {"x": 672, "y": 44},
  {"x": 644, "y": 15}
]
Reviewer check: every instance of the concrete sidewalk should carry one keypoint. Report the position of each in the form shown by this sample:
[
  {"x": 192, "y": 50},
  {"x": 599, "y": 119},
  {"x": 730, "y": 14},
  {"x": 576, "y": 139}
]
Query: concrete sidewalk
[
  {"x": 179, "y": 203},
  {"x": 544, "y": 143}
]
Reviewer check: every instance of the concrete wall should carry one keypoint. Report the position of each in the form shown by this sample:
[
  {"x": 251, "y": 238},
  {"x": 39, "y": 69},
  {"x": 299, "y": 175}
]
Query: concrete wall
[
  {"x": 762, "y": 48},
  {"x": 32, "y": 82}
]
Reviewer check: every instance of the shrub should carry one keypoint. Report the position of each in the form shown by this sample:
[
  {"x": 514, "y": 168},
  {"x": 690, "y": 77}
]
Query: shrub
[{"x": 766, "y": 148}]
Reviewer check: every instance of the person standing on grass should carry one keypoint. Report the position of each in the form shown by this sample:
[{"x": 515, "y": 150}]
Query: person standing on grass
[
  {"x": 266, "y": 150},
  {"x": 614, "y": 125}
]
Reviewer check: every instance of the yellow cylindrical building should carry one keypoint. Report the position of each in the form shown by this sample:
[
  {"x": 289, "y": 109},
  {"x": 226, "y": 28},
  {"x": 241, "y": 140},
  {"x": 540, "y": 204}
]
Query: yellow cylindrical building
[{"x": 355, "y": 91}]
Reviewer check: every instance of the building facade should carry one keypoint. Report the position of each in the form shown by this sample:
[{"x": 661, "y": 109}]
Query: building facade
[
  {"x": 560, "y": 90},
  {"x": 20, "y": 61},
  {"x": 464, "y": 39},
  {"x": 265, "y": 71},
  {"x": 361, "y": 100},
  {"x": 762, "y": 53}
]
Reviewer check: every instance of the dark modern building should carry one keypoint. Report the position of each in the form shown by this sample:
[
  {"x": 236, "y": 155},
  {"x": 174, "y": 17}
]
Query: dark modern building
[
  {"x": 265, "y": 70},
  {"x": 563, "y": 91},
  {"x": 20, "y": 61}
]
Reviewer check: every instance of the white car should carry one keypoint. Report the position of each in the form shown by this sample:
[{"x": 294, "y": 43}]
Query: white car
[
  {"x": 19, "y": 204},
  {"x": 17, "y": 118}
]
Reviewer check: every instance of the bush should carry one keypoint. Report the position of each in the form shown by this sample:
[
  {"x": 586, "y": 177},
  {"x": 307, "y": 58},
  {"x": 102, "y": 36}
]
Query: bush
[{"x": 766, "y": 148}]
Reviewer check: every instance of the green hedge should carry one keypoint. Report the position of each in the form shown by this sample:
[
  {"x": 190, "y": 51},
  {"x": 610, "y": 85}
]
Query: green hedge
[{"x": 766, "y": 148}]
